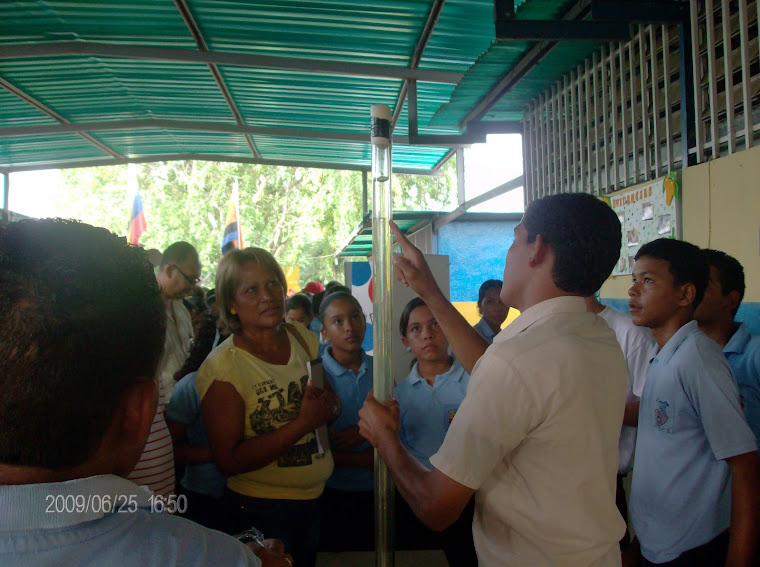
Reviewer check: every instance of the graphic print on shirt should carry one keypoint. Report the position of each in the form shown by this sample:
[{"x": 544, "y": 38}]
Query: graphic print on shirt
[
  {"x": 275, "y": 410},
  {"x": 449, "y": 411},
  {"x": 661, "y": 415}
]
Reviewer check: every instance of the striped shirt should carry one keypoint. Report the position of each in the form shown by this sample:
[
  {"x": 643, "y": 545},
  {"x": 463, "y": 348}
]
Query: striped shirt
[{"x": 155, "y": 469}]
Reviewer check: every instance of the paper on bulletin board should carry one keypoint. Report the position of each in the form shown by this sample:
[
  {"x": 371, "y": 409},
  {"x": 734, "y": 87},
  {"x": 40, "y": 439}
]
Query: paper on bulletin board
[{"x": 646, "y": 212}]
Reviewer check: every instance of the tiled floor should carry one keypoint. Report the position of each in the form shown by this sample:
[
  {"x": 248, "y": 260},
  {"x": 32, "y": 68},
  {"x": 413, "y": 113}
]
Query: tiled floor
[{"x": 367, "y": 559}]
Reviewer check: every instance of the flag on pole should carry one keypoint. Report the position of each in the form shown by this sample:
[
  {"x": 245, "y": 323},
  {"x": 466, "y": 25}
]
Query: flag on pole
[
  {"x": 137, "y": 223},
  {"x": 233, "y": 237}
]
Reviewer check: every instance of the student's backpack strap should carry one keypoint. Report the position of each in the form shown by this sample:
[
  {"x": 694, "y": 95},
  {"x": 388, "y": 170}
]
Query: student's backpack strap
[{"x": 299, "y": 338}]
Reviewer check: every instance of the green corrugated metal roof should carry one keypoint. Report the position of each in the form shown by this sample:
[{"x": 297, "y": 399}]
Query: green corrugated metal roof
[
  {"x": 115, "y": 85},
  {"x": 360, "y": 242}
]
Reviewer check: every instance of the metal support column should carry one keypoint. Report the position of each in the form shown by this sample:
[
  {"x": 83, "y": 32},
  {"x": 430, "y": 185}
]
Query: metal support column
[
  {"x": 461, "y": 195},
  {"x": 686, "y": 82},
  {"x": 6, "y": 195}
]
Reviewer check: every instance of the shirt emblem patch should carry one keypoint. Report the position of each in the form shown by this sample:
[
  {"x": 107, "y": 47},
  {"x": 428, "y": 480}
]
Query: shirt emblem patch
[
  {"x": 660, "y": 413},
  {"x": 449, "y": 411}
]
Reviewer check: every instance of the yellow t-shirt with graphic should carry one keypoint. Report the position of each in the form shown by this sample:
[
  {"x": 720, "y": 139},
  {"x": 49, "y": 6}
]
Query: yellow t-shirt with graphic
[{"x": 272, "y": 396}]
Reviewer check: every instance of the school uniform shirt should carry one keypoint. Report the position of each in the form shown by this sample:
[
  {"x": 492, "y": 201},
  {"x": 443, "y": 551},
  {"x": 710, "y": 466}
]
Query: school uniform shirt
[
  {"x": 743, "y": 355},
  {"x": 484, "y": 330},
  {"x": 272, "y": 397},
  {"x": 427, "y": 411},
  {"x": 690, "y": 421},
  {"x": 105, "y": 520},
  {"x": 185, "y": 408},
  {"x": 352, "y": 389},
  {"x": 637, "y": 344},
  {"x": 537, "y": 438}
]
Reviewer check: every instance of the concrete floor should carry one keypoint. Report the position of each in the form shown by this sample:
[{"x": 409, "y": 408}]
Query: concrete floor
[{"x": 434, "y": 558}]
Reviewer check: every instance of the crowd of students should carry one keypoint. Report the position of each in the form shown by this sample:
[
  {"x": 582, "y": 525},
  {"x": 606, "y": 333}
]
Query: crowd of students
[{"x": 512, "y": 451}]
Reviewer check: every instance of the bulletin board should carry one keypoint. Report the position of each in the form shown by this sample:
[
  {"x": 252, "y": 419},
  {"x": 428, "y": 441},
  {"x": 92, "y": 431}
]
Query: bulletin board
[{"x": 646, "y": 212}]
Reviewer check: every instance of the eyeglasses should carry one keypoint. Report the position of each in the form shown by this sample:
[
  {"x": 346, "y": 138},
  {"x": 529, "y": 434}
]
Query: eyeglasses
[{"x": 188, "y": 279}]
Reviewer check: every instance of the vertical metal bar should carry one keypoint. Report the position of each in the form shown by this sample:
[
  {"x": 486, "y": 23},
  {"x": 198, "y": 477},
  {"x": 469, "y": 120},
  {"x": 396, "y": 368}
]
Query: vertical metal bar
[
  {"x": 746, "y": 77},
  {"x": 545, "y": 145},
  {"x": 623, "y": 112},
  {"x": 572, "y": 112},
  {"x": 614, "y": 114},
  {"x": 566, "y": 128},
  {"x": 589, "y": 188},
  {"x": 605, "y": 131},
  {"x": 666, "y": 86},
  {"x": 411, "y": 106},
  {"x": 634, "y": 120},
  {"x": 712, "y": 77},
  {"x": 461, "y": 193},
  {"x": 556, "y": 162},
  {"x": 691, "y": 73},
  {"x": 540, "y": 158},
  {"x": 645, "y": 108},
  {"x": 557, "y": 135},
  {"x": 728, "y": 71},
  {"x": 6, "y": 196},
  {"x": 527, "y": 172},
  {"x": 364, "y": 195},
  {"x": 653, "y": 50},
  {"x": 536, "y": 156},
  {"x": 596, "y": 66}
]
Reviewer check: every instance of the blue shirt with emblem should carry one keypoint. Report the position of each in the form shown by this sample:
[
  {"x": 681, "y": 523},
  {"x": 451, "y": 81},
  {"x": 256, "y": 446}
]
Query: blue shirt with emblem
[
  {"x": 690, "y": 420},
  {"x": 427, "y": 411},
  {"x": 484, "y": 330},
  {"x": 185, "y": 408},
  {"x": 352, "y": 389},
  {"x": 743, "y": 354}
]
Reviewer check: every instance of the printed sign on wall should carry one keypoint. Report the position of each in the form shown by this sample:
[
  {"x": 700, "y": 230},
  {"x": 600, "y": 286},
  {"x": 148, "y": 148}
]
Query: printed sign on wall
[{"x": 646, "y": 213}]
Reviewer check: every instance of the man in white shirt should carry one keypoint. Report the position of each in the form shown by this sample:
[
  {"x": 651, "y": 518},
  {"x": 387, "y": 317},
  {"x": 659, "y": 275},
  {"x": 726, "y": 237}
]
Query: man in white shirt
[
  {"x": 536, "y": 437},
  {"x": 178, "y": 274},
  {"x": 636, "y": 343}
]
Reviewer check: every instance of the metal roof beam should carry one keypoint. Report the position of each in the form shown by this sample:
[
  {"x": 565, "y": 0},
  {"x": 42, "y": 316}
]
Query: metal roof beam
[
  {"x": 640, "y": 11},
  {"x": 463, "y": 140},
  {"x": 532, "y": 58},
  {"x": 209, "y": 157},
  {"x": 237, "y": 59},
  {"x": 53, "y": 114},
  {"x": 195, "y": 31},
  {"x": 419, "y": 49},
  {"x": 487, "y": 196},
  {"x": 538, "y": 30}
]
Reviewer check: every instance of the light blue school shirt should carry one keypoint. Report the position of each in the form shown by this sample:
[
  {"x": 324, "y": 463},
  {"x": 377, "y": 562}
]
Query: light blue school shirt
[
  {"x": 484, "y": 330},
  {"x": 34, "y": 535},
  {"x": 185, "y": 407},
  {"x": 352, "y": 389},
  {"x": 427, "y": 411},
  {"x": 743, "y": 355},
  {"x": 690, "y": 420}
]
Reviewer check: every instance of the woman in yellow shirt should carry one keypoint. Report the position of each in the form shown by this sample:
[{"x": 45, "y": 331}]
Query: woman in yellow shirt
[{"x": 260, "y": 413}]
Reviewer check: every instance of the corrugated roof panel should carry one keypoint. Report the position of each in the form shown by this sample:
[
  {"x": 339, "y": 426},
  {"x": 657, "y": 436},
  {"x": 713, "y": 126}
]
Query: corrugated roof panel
[
  {"x": 89, "y": 88},
  {"x": 16, "y": 112},
  {"x": 144, "y": 22},
  {"x": 338, "y": 30},
  {"x": 139, "y": 143},
  {"x": 43, "y": 150}
]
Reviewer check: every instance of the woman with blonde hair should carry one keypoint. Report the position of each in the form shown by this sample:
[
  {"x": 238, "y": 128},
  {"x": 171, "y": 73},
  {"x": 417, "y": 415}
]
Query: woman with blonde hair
[{"x": 259, "y": 409}]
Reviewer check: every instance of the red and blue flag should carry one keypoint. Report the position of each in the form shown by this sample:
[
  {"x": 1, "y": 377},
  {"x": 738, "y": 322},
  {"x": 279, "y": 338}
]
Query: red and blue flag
[{"x": 137, "y": 223}]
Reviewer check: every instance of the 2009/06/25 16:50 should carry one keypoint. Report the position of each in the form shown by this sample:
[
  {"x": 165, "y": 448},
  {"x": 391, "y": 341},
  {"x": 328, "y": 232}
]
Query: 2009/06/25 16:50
[{"x": 107, "y": 503}]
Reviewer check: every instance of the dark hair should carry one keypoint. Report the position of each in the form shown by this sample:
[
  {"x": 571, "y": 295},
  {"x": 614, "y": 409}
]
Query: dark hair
[
  {"x": 299, "y": 301},
  {"x": 177, "y": 253},
  {"x": 686, "y": 263},
  {"x": 333, "y": 297},
  {"x": 331, "y": 285},
  {"x": 584, "y": 234},
  {"x": 730, "y": 272},
  {"x": 404, "y": 321},
  {"x": 82, "y": 319},
  {"x": 485, "y": 286},
  {"x": 316, "y": 302},
  {"x": 202, "y": 345}
]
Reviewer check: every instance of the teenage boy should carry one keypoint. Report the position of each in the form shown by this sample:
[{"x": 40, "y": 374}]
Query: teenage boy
[
  {"x": 715, "y": 316},
  {"x": 536, "y": 437},
  {"x": 83, "y": 330},
  {"x": 696, "y": 461}
]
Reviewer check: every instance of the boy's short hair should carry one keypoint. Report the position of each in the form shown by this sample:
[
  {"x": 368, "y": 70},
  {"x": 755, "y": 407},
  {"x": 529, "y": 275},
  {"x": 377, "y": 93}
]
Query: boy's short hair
[
  {"x": 82, "y": 319},
  {"x": 485, "y": 286},
  {"x": 299, "y": 301},
  {"x": 583, "y": 232},
  {"x": 685, "y": 261},
  {"x": 325, "y": 303},
  {"x": 730, "y": 272}
]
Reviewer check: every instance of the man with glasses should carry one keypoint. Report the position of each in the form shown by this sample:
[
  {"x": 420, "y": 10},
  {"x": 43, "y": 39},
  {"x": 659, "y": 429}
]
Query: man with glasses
[{"x": 178, "y": 274}]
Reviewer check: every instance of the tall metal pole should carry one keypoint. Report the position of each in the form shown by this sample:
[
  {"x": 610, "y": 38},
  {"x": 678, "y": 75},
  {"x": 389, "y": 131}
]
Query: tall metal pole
[
  {"x": 6, "y": 196},
  {"x": 382, "y": 305}
]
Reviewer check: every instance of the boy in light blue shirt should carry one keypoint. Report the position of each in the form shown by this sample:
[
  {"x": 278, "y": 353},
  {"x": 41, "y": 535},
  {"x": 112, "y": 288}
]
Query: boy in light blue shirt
[
  {"x": 715, "y": 316},
  {"x": 696, "y": 466}
]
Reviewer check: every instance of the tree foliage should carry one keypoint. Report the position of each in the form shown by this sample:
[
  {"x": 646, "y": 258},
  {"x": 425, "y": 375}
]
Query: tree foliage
[{"x": 303, "y": 216}]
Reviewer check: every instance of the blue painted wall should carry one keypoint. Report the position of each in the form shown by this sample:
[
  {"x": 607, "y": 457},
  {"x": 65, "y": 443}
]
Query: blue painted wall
[
  {"x": 749, "y": 312},
  {"x": 476, "y": 251}
]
